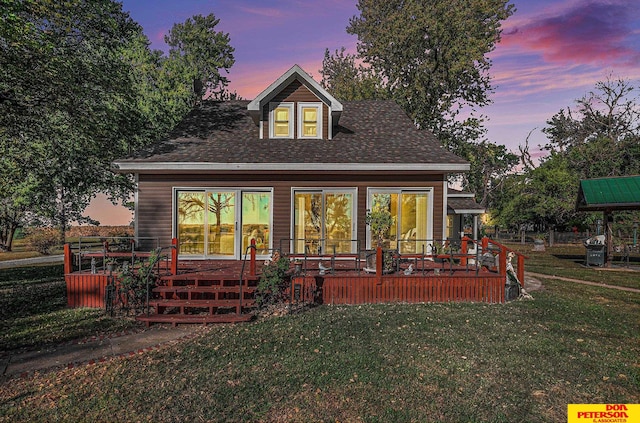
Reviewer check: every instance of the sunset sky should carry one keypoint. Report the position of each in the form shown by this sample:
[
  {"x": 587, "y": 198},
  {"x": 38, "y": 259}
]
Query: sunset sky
[{"x": 552, "y": 52}]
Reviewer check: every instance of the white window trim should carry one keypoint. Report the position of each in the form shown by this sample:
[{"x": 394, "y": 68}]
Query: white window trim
[
  {"x": 318, "y": 107},
  {"x": 272, "y": 108}
]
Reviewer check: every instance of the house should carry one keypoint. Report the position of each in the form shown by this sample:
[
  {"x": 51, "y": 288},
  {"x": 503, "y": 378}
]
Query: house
[{"x": 296, "y": 170}]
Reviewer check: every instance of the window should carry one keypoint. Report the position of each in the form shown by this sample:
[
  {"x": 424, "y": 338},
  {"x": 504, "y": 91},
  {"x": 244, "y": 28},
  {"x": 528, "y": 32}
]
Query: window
[
  {"x": 412, "y": 213},
  {"x": 281, "y": 120},
  {"x": 324, "y": 221},
  {"x": 310, "y": 120},
  {"x": 222, "y": 223}
]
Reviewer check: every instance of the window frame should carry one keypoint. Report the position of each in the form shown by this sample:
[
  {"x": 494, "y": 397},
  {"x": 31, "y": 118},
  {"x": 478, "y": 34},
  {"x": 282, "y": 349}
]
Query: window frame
[
  {"x": 272, "y": 119},
  {"x": 239, "y": 192},
  {"x": 429, "y": 191},
  {"x": 323, "y": 191},
  {"x": 300, "y": 120}
]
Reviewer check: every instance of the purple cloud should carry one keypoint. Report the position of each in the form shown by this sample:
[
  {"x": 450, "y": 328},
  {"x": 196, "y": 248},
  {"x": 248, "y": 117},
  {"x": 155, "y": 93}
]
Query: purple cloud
[{"x": 588, "y": 31}]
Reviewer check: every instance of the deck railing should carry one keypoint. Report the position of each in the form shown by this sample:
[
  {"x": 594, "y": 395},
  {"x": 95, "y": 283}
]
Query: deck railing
[
  {"x": 473, "y": 270},
  {"x": 100, "y": 250}
]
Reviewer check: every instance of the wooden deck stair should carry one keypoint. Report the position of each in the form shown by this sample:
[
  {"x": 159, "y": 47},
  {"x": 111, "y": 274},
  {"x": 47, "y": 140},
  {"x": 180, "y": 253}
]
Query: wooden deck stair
[{"x": 202, "y": 298}]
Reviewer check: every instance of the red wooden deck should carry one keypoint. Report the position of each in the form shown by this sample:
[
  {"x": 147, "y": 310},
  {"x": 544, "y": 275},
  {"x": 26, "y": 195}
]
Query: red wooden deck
[{"x": 345, "y": 283}]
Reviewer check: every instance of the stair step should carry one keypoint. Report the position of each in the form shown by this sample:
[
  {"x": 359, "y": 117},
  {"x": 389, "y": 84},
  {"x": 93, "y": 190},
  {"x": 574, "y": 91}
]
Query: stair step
[
  {"x": 204, "y": 289},
  {"x": 175, "y": 319},
  {"x": 206, "y": 279},
  {"x": 201, "y": 303}
]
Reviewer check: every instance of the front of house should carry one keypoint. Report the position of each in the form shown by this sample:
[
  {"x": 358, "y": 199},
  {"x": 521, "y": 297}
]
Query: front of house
[{"x": 296, "y": 170}]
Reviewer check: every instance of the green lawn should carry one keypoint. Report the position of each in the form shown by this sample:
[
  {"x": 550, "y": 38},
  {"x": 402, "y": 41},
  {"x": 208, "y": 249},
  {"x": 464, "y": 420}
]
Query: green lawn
[
  {"x": 34, "y": 313},
  {"x": 523, "y": 361},
  {"x": 568, "y": 261}
]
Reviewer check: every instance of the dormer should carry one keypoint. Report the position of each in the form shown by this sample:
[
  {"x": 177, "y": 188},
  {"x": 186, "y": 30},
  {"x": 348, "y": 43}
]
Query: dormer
[{"x": 295, "y": 106}]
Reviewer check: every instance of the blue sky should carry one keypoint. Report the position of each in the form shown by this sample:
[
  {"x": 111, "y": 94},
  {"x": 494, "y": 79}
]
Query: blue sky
[{"x": 552, "y": 51}]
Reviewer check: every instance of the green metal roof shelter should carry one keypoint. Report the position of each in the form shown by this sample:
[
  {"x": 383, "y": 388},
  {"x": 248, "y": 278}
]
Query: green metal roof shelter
[
  {"x": 621, "y": 193},
  {"x": 608, "y": 195}
]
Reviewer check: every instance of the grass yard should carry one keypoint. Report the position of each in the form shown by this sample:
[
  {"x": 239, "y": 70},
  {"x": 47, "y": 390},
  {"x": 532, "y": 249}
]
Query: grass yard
[
  {"x": 34, "y": 313},
  {"x": 523, "y": 361},
  {"x": 568, "y": 261}
]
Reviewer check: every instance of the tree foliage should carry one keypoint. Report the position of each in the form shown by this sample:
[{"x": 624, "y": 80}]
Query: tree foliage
[
  {"x": 600, "y": 137},
  {"x": 433, "y": 57},
  {"x": 202, "y": 53},
  {"x": 350, "y": 82},
  {"x": 79, "y": 88}
]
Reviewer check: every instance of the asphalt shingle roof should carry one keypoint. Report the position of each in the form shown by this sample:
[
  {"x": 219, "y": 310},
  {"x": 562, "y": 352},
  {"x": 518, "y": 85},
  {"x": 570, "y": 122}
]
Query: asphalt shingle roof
[{"x": 368, "y": 132}]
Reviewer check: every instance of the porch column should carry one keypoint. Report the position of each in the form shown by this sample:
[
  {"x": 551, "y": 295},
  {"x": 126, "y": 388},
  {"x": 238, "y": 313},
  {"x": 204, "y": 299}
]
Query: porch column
[{"x": 475, "y": 226}]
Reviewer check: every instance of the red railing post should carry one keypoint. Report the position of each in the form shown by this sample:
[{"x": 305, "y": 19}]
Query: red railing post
[
  {"x": 502, "y": 266},
  {"x": 485, "y": 244},
  {"x": 252, "y": 263},
  {"x": 174, "y": 256},
  {"x": 379, "y": 264},
  {"x": 463, "y": 250},
  {"x": 68, "y": 259}
]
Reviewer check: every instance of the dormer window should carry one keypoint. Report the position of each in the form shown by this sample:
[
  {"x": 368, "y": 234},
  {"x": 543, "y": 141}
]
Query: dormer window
[
  {"x": 305, "y": 123},
  {"x": 281, "y": 120},
  {"x": 295, "y": 106},
  {"x": 310, "y": 120}
]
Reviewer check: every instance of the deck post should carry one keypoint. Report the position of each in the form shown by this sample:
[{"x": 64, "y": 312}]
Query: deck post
[
  {"x": 485, "y": 244},
  {"x": 174, "y": 256},
  {"x": 68, "y": 259},
  {"x": 252, "y": 263},
  {"x": 502, "y": 266},
  {"x": 379, "y": 264},
  {"x": 463, "y": 251}
]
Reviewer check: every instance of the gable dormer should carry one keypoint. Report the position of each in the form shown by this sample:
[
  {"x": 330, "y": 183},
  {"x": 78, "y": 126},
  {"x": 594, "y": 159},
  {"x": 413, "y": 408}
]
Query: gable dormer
[{"x": 295, "y": 107}]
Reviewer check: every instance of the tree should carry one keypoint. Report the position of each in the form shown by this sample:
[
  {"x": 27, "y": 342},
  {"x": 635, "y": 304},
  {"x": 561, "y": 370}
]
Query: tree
[
  {"x": 544, "y": 197},
  {"x": 67, "y": 104},
  {"x": 350, "y": 82},
  {"x": 602, "y": 136},
  {"x": 489, "y": 163},
  {"x": 432, "y": 57},
  {"x": 201, "y": 53}
]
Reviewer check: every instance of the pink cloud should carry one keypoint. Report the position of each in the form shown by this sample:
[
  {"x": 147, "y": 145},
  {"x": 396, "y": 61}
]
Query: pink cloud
[
  {"x": 588, "y": 32},
  {"x": 266, "y": 12}
]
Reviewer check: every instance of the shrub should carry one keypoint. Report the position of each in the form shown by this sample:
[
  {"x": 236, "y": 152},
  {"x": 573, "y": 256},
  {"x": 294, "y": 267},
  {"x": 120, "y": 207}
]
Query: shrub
[
  {"x": 274, "y": 282},
  {"x": 43, "y": 240},
  {"x": 134, "y": 283}
]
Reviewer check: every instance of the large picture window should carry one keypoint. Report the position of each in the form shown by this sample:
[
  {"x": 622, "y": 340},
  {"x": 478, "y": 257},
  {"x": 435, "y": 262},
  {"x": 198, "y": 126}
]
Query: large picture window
[
  {"x": 324, "y": 221},
  {"x": 412, "y": 212},
  {"x": 222, "y": 223}
]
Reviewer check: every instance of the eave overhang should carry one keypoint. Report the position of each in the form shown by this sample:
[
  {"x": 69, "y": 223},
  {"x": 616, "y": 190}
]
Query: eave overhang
[{"x": 150, "y": 167}]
